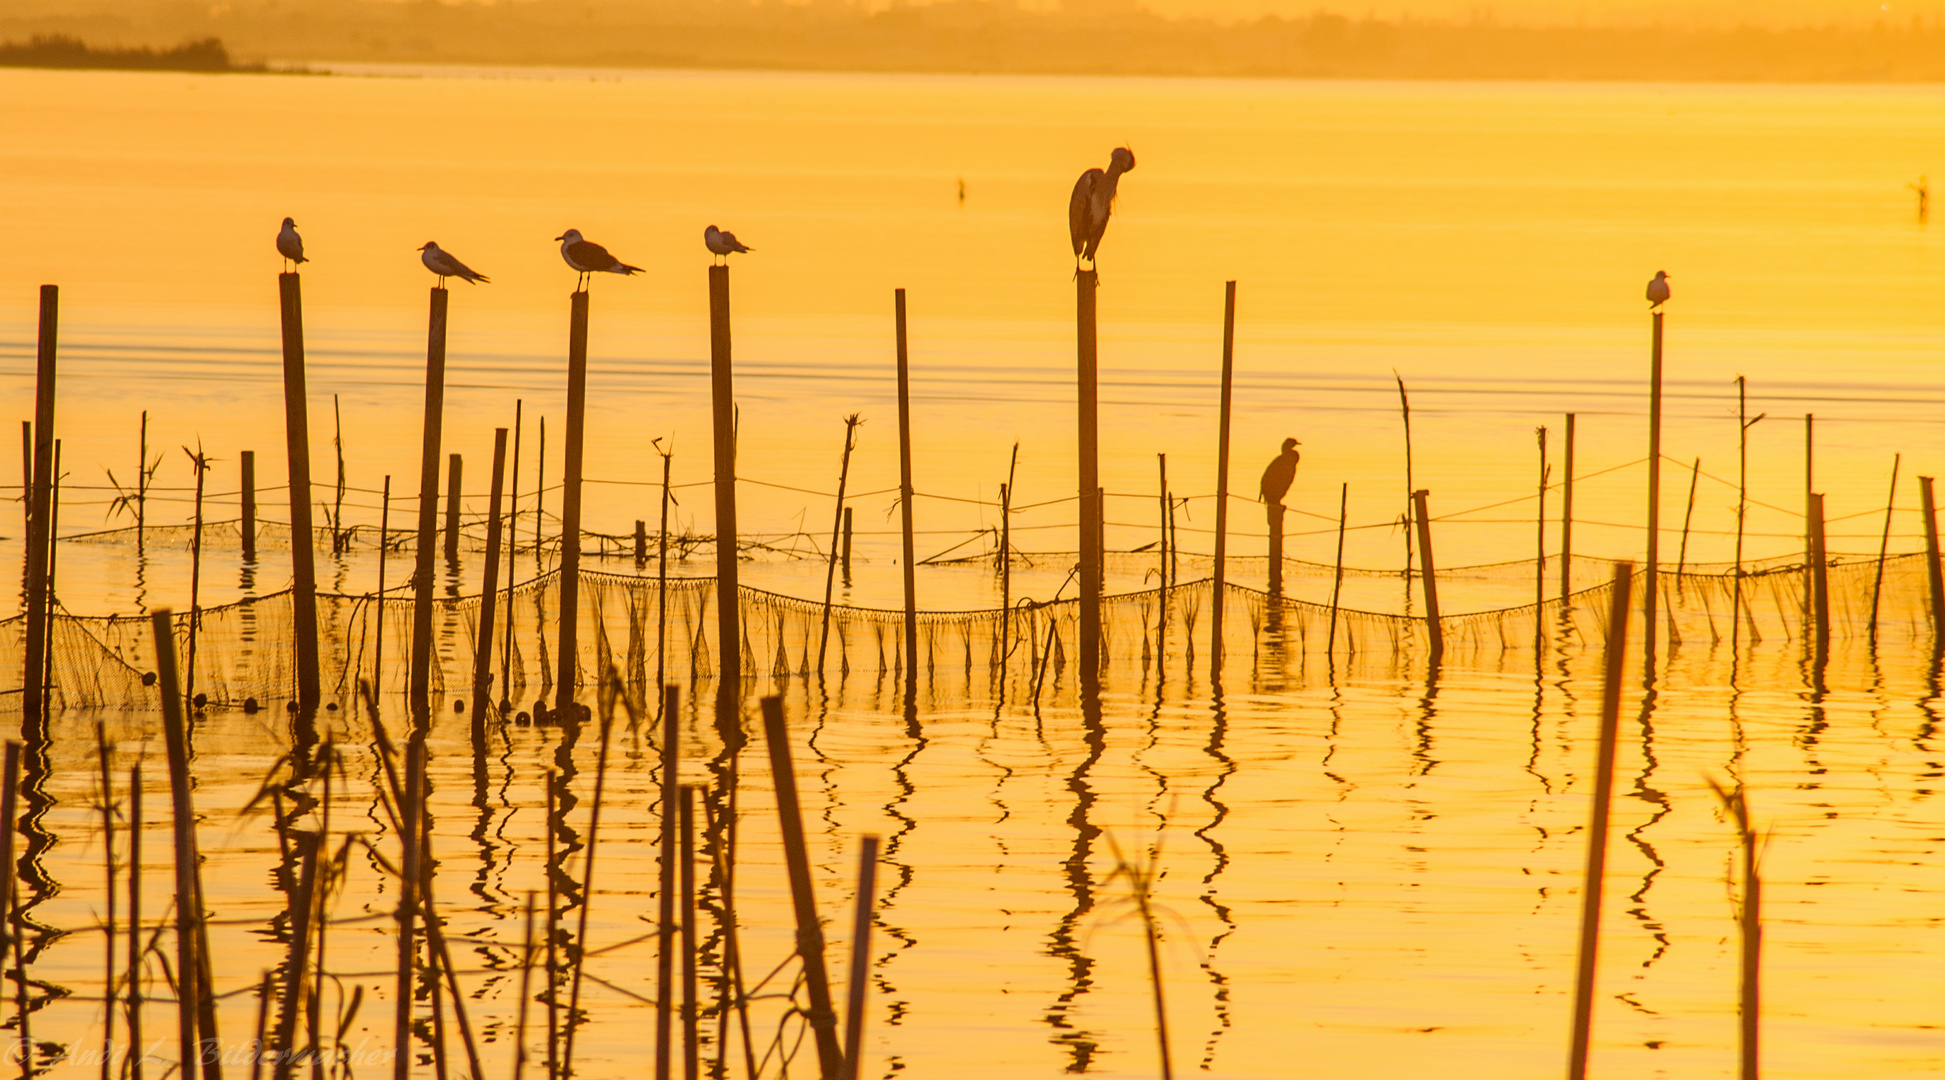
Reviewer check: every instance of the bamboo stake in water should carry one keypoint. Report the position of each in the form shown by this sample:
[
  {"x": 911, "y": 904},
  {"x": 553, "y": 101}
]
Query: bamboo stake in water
[
  {"x": 851, "y": 423},
  {"x": 665, "y": 889},
  {"x": 1427, "y": 573},
  {"x": 1161, "y": 495},
  {"x": 455, "y": 471},
  {"x": 1651, "y": 586},
  {"x": 134, "y": 963},
  {"x": 1567, "y": 517},
  {"x": 513, "y": 547},
  {"x": 567, "y": 663},
  {"x": 1743, "y": 424},
  {"x": 420, "y": 669},
  {"x": 249, "y": 492},
  {"x": 108, "y": 891},
  {"x": 1540, "y": 544},
  {"x": 40, "y": 536},
  {"x": 1694, "y": 475},
  {"x": 378, "y": 603},
  {"x": 1819, "y": 579},
  {"x": 810, "y": 932},
  {"x": 1884, "y": 545},
  {"x": 662, "y": 576},
  {"x": 189, "y": 912},
  {"x": 860, "y": 957},
  {"x": 587, "y": 870},
  {"x": 1087, "y": 386},
  {"x": 1337, "y": 580},
  {"x": 1227, "y": 400},
  {"x": 142, "y": 495},
  {"x": 489, "y": 594},
  {"x": 303, "y": 538},
  {"x": 1737, "y": 803},
  {"x": 1404, "y": 412},
  {"x": 1596, "y": 871},
  {"x": 722, "y": 395},
  {"x": 691, "y": 1011}
]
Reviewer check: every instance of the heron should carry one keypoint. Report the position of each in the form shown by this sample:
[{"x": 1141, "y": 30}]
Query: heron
[
  {"x": 1092, "y": 202},
  {"x": 1658, "y": 289},
  {"x": 289, "y": 244},
  {"x": 586, "y": 257},
  {"x": 441, "y": 262},
  {"x": 1280, "y": 474},
  {"x": 722, "y": 243}
]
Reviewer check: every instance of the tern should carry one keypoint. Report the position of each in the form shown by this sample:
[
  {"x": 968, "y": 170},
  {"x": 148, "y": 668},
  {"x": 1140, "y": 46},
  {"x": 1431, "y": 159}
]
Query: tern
[
  {"x": 722, "y": 243},
  {"x": 1658, "y": 289},
  {"x": 441, "y": 262},
  {"x": 289, "y": 244},
  {"x": 1092, "y": 202},
  {"x": 1280, "y": 474},
  {"x": 586, "y": 257}
]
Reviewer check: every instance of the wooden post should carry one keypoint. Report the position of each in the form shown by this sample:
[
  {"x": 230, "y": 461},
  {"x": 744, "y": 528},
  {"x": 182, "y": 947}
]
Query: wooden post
[
  {"x": 810, "y": 932},
  {"x": 665, "y": 896},
  {"x": 1884, "y": 545},
  {"x": 846, "y": 559},
  {"x": 1819, "y": 577},
  {"x": 1567, "y": 518},
  {"x": 641, "y": 543},
  {"x": 1809, "y": 459},
  {"x": 729, "y": 634},
  {"x": 1596, "y": 871},
  {"x": 192, "y": 1021},
  {"x": 1337, "y": 582},
  {"x": 420, "y": 668},
  {"x": 1651, "y": 583},
  {"x": 1688, "y": 516},
  {"x": 567, "y": 668},
  {"x": 1276, "y": 548},
  {"x": 489, "y": 595},
  {"x": 860, "y": 957},
  {"x": 40, "y": 535},
  {"x": 454, "y": 470},
  {"x": 513, "y": 548},
  {"x": 1161, "y": 496},
  {"x": 249, "y": 493},
  {"x": 1087, "y": 384},
  {"x": 303, "y": 540},
  {"x": 1929, "y": 508},
  {"x": 136, "y": 946},
  {"x": 851, "y": 423},
  {"x": 905, "y": 495},
  {"x": 1540, "y": 542},
  {"x": 1221, "y": 568},
  {"x": 1428, "y": 571}
]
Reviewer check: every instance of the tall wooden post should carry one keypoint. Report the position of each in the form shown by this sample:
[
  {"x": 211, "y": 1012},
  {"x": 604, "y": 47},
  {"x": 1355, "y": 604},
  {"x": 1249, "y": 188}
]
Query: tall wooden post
[
  {"x": 1819, "y": 577},
  {"x": 722, "y": 396},
  {"x": 435, "y": 401},
  {"x": 810, "y": 931},
  {"x": 1428, "y": 569},
  {"x": 455, "y": 468},
  {"x": 1087, "y": 382},
  {"x": 1567, "y": 517},
  {"x": 249, "y": 493},
  {"x": 1595, "y": 874},
  {"x": 905, "y": 496},
  {"x": 1651, "y": 583},
  {"x": 39, "y": 516},
  {"x": 1276, "y": 548},
  {"x": 1540, "y": 541},
  {"x": 1221, "y": 569},
  {"x": 1929, "y": 508},
  {"x": 865, "y": 906},
  {"x": 844, "y": 560},
  {"x": 303, "y": 539},
  {"x": 1337, "y": 580},
  {"x": 489, "y": 593},
  {"x": 567, "y": 669}
]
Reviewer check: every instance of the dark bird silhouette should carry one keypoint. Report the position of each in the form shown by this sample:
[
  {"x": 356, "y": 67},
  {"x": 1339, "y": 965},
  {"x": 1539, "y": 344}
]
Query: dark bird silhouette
[
  {"x": 1658, "y": 289},
  {"x": 1280, "y": 474},
  {"x": 723, "y": 243},
  {"x": 441, "y": 262},
  {"x": 1093, "y": 201},
  {"x": 289, "y": 244},
  {"x": 586, "y": 257}
]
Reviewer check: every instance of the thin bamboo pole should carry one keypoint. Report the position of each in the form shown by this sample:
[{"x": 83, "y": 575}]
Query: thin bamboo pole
[
  {"x": 135, "y": 947},
  {"x": 1688, "y": 516},
  {"x": 489, "y": 594},
  {"x": 1651, "y": 571},
  {"x": 1540, "y": 540},
  {"x": 513, "y": 546},
  {"x": 378, "y": 601},
  {"x": 1819, "y": 578},
  {"x": 1219, "y": 572},
  {"x": 192, "y": 1021},
  {"x": 860, "y": 957},
  {"x": 1427, "y": 572},
  {"x": 1884, "y": 544},
  {"x": 905, "y": 494},
  {"x": 810, "y": 932},
  {"x": 40, "y": 537},
  {"x": 303, "y": 538},
  {"x": 420, "y": 669},
  {"x": 1596, "y": 870},
  {"x": 1337, "y": 579},
  {"x": 837, "y": 518},
  {"x": 665, "y": 890},
  {"x": 1567, "y": 516},
  {"x": 107, "y": 778}
]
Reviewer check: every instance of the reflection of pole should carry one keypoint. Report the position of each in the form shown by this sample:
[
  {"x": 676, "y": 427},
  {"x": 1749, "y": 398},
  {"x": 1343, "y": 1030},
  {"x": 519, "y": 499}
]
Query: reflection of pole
[
  {"x": 1087, "y": 378},
  {"x": 905, "y": 497},
  {"x": 1427, "y": 573},
  {"x": 435, "y": 400},
  {"x": 729, "y": 638},
  {"x": 1222, "y": 480},
  {"x": 860, "y": 957},
  {"x": 567, "y": 669},
  {"x": 1596, "y": 872},
  {"x": 303, "y": 541}
]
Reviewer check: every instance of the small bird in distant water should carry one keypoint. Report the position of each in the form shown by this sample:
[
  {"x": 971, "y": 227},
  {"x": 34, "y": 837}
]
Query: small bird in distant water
[
  {"x": 1092, "y": 202},
  {"x": 441, "y": 262},
  {"x": 1658, "y": 289},
  {"x": 1280, "y": 474},
  {"x": 722, "y": 243},
  {"x": 289, "y": 244},
  {"x": 586, "y": 257}
]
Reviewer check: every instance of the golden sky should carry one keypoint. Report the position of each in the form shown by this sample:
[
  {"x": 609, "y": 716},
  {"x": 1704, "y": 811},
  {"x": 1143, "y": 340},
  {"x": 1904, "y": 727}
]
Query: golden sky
[{"x": 1704, "y": 12}]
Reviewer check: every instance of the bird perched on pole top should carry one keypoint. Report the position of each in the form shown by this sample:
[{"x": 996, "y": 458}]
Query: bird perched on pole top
[
  {"x": 1658, "y": 289},
  {"x": 722, "y": 243},
  {"x": 1280, "y": 474},
  {"x": 586, "y": 257},
  {"x": 1092, "y": 202},
  {"x": 289, "y": 244},
  {"x": 441, "y": 262}
]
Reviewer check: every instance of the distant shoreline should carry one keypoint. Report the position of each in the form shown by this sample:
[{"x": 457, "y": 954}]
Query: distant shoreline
[{"x": 204, "y": 56}]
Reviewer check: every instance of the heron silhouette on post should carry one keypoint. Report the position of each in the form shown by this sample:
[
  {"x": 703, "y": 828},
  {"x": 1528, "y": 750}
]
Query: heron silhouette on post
[
  {"x": 1092, "y": 202},
  {"x": 1277, "y": 478}
]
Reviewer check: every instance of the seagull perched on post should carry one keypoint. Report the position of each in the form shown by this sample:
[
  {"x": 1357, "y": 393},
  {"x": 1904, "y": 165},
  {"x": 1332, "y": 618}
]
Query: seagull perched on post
[
  {"x": 441, "y": 262},
  {"x": 1281, "y": 473},
  {"x": 720, "y": 242},
  {"x": 289, "y": 244},
  {"x": 1658, "y": 289},
  {"x": 1092, "y": 202},
  {"x": 587, "y": 258}
]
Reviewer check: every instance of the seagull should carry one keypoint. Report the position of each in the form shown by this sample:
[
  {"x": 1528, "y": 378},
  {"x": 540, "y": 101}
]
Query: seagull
[
  {"x": 722, "y": 243},
  {"x": 441, "y": 262},
  {"x": 289, "y": 244},
  {"x": 1658, "y": 289},
  {"x": 1282, "y": 471},
  {"x": 1092, "y": 202},
  {"x": 590, "y": 258}
]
